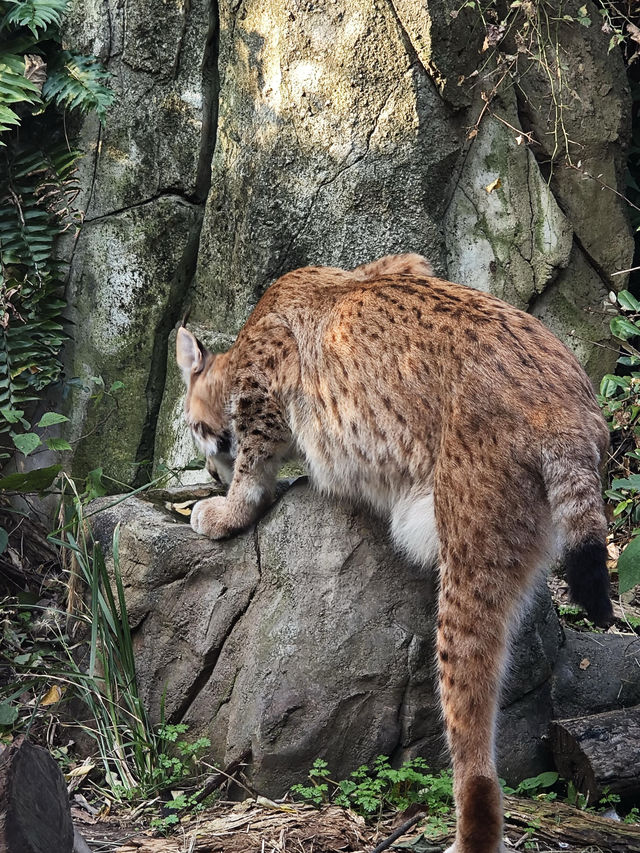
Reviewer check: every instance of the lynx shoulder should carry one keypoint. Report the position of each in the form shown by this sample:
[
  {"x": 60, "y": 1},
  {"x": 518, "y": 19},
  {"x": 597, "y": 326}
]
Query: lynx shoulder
[{"x": 461, "y": 419}]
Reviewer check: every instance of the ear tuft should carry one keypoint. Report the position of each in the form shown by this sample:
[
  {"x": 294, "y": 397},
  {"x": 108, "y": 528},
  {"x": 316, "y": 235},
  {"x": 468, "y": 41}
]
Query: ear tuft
[{"x": 189, "y": 353}]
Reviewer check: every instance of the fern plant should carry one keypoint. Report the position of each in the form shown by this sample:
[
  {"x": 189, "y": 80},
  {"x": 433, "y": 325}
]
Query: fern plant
[{"x": 38, "y": 81}]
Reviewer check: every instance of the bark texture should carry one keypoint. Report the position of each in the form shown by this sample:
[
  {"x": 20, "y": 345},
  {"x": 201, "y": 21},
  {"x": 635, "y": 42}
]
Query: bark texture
[
  {"x": 34, "y": 806},
  {"x": 600, "y": 752}
]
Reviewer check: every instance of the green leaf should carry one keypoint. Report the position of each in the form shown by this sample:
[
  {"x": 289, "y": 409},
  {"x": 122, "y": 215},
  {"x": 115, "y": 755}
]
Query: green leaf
[
  {"x": 629, "y": 566},
  {"x": 12, "y": 416},
  {"x": 26, "y": 442},
  {"x": 57, "y": 444},
  {"x": 543, "y": 780},
  {"x": 51, "y": 418},
  {"x": 94, "y": 487},
  {"x": 8, "y": 714},
  {"x": 609, "y": 384},
  {"x": 36, "y": 14},
  {"x": 627, "y": 300},
  {"x": 31, "y": 481},
  {"x": 78, "y": 82},
  {"x": 630, "y": 482},
  {"x": 623, "y": 328},
  {"x": 4, "y": 540}
]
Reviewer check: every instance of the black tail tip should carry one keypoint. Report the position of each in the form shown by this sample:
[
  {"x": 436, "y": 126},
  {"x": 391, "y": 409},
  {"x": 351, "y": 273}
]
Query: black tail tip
[{"x": 588, "y": 577}]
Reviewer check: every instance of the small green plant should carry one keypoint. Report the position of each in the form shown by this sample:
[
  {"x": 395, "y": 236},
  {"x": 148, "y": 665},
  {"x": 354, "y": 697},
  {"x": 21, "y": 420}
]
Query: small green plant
[
  {"x": 370, "y": 791},
  {"x": 575, "y": 798},
  {"x": 533, "y": 786},
  {"x": 530, "y": 830},
  {"x": 633, "y": 816},
  {"x": 188, "y": 803}
]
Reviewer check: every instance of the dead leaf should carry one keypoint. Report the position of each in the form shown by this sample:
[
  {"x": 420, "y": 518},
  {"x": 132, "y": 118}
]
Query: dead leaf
[
  {"x": 613, "y": 552},
  {"x": 585, "y": 663},
  {"x": 35, "y": 69},
  {"x": 269, "y": 804},
  {"x": 493, "y": 36},
  {"x": 634, "y": 32},
  {"x": 80, "y": 771},
  {"x": 472, "y": 133},
  {"x": 54, "y": 694},
  {"x": 183, "y": 508},
  {"x": 494, "y": 185}
]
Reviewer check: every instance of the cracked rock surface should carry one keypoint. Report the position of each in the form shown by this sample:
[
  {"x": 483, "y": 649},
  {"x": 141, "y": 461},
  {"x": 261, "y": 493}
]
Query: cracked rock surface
[{"x": 307, "y": 636}]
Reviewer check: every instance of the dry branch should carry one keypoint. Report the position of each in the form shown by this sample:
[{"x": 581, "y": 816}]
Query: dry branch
[{"x": 556, "y": 822}]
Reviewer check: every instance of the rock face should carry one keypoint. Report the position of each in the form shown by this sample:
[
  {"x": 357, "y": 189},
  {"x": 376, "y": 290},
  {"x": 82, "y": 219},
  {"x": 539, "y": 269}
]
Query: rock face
[
  {"x": 252, "y": 137},
  {"x": 144, "y": 183},
  {"x": 308, "y": 636}
]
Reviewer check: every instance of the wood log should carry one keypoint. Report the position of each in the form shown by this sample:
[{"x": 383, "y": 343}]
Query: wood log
[
  {"x": 555, "y": 823},
  {"x": 599, "y": 752},
  {"x": 34, "y": 806}
]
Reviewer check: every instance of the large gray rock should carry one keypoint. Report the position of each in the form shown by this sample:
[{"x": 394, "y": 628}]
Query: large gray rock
[
  {"x": 594, "y": 673},
  {"x": 306, "y": 637}
]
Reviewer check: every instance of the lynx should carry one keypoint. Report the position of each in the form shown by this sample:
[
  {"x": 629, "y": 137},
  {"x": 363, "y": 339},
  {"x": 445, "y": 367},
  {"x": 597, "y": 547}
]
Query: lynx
[{"x": 461, "y": 419}]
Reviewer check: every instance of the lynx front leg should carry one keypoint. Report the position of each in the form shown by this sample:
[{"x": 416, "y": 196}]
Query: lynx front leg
[{"x": 251, "y": 492}]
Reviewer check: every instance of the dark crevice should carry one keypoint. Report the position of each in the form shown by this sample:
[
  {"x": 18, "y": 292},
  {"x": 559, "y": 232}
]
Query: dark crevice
[
  {"x": 211, "y": 657},
  {"x": 402, "y": 712},
  {"x": 207, "y": 667},
  {"x": 591, "y": 261},
  {"x": 546, "y": 167},
  {"x": 167, "y": 193},
  {"x": 187, "y": 266}
]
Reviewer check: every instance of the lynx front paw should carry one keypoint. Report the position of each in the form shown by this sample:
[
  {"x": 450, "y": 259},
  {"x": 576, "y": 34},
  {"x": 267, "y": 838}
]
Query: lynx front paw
[{"x": 208, "y": 518}]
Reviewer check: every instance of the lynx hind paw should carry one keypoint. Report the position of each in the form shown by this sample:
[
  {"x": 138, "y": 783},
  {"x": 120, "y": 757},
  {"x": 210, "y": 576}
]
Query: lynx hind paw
[
  {"x": 454, "y": 849},
  {"x": 207, "y": 517}
]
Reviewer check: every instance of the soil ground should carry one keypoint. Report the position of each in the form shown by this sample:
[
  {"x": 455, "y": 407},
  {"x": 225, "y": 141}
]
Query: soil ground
[{"x": 249, "y": 827}]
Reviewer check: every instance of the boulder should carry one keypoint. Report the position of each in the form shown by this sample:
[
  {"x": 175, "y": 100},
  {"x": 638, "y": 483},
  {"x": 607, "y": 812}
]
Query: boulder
[
  {"x": 595, "y": 672},
  {"x": 306, "y": 637}
]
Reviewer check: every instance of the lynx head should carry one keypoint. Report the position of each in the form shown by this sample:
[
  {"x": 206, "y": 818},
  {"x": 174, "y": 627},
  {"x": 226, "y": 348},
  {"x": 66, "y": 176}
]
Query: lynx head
[{"x": 205, "y": 408}]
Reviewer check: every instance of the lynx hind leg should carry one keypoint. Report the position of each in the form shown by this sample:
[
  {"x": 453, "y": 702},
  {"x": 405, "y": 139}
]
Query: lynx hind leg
[{"x": 489, "y": 555}]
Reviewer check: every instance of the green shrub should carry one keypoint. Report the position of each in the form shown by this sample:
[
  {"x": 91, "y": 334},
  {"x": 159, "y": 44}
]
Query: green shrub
[{"x": 38, "y": 81}]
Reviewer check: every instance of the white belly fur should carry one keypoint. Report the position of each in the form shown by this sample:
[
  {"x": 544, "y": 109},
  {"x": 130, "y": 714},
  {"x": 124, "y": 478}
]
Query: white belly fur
[{"x": 413, "y": 528}]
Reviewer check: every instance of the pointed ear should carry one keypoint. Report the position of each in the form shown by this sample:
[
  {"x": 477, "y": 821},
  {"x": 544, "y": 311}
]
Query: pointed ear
[{"x": 189, "y": 353}]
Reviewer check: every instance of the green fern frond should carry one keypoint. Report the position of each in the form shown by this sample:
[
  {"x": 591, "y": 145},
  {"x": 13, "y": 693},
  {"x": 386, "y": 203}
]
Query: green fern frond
[
  {"x": 33, "y": 212},
  {"x": 34, "y": 14},
  {"x": 15, "y": 88},
  {"x": 79, "y": 82}
]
